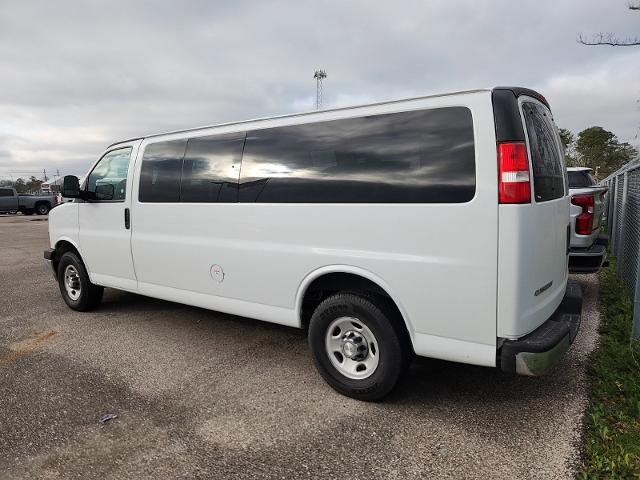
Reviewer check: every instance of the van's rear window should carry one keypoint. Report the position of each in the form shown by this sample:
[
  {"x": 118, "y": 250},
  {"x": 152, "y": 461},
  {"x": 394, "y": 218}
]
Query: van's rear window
[{"x": 548, "y": 173}]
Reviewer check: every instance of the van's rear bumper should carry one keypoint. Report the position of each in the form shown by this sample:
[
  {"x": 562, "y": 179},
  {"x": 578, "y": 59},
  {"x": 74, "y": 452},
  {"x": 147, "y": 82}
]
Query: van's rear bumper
[{"x": 536, "y": 352}]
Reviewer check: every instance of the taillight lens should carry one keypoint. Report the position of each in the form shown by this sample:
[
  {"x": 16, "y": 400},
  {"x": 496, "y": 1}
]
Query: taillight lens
[
  {"x": 584, "y": 221},
  {"x": 514, "y": 185}
]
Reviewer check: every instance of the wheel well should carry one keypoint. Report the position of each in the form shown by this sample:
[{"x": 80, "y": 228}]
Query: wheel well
[
  {"x": 63, "y": 247},
  {"x": 330, "y": 283}
]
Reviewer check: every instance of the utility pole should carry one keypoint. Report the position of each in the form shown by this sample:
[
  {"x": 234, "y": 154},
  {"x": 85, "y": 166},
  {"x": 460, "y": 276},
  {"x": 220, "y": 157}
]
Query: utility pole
[
  {"x": 319, "y": 75},
  {"x": 44, "y": 172}
]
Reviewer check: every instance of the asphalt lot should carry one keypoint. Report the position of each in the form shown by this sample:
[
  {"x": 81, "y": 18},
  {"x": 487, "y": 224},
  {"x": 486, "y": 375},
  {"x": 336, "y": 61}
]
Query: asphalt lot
[{"x": 200, "y": 394}]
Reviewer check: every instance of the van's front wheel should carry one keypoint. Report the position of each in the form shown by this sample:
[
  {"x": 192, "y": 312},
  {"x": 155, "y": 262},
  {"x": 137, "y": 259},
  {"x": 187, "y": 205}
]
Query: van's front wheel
[
  {"x": 358, "y": 345},
  {"x": 76, "y": 289}
]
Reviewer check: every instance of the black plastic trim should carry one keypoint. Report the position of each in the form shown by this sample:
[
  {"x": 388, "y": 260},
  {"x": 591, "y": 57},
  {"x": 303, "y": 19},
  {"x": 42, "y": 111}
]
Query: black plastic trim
[
  {"x": 520, "y": 91},
  {"x": 50, "y": 254},
  {"x": 506, "y": 114}
]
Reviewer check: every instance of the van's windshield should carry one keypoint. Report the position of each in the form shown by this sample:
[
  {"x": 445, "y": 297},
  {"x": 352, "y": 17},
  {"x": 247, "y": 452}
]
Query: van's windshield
[{"x": 548, "y": 173}]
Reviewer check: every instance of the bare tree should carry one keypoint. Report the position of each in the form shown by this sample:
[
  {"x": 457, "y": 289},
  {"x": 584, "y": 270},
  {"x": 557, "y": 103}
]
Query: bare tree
[{"x": 612, "y": 39}]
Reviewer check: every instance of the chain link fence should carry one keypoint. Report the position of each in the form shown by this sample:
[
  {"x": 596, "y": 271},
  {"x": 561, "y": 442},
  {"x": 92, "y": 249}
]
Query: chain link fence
[{"x": 622, "y": 215}]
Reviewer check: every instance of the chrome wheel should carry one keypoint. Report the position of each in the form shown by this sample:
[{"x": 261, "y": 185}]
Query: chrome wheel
[
  {"x": 72, "y": 282},
  {"x": 352, "y": 348}
]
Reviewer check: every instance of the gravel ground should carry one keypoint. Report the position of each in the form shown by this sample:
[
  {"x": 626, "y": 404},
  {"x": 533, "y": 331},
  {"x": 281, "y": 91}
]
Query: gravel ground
[{"x": 200, "y": 394}]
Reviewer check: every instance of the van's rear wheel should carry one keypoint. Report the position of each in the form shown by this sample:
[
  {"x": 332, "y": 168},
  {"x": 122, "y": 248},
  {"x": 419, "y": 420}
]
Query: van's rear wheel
[
  {"x": 358, "y": 345},
  {"x": 76, "y": 289}
]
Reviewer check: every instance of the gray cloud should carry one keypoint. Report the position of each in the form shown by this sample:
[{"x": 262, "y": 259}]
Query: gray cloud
[{"x": 79, "y": 76}]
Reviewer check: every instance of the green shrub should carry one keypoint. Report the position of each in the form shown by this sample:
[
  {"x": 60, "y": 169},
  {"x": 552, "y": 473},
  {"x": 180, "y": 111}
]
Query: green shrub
[{"x": 612, "y": 437}]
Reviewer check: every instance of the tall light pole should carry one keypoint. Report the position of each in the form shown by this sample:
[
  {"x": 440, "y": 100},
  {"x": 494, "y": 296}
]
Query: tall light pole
[{"x": 319, "y": 75}]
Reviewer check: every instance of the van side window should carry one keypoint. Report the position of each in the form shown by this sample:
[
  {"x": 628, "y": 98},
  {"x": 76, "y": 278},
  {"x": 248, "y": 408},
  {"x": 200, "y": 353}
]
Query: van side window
[
  {"x": 422, "y": 156},
  {"x": 111, "y": 170},
  {"x": 6, "y": 192},
  {"x": 160, "y": 171},
  {"x": 548, "y": 174},
  {"x": 211, "y": 168}
]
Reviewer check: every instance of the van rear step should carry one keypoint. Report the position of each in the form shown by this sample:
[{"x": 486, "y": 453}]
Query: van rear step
[{"x": 538, "y": 351}]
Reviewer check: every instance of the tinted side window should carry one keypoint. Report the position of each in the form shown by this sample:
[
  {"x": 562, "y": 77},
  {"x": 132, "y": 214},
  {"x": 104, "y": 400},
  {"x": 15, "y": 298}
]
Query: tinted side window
[
  {"x": 409, "y": 157},
  {"x": 580, "y": 179},
  {"x": 211, "y": 169},
  {"x": 6, "y": 192},
  {"x": 548, "y": 174},
  {"x": 160, "y": 171}
]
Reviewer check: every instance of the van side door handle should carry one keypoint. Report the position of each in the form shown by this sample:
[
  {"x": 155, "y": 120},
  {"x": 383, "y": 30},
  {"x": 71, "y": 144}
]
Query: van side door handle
[{"x": 127, "y": 219}]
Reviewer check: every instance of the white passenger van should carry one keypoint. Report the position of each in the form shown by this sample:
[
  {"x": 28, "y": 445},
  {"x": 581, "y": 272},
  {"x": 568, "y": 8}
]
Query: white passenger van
[{"x": 434, "y": 226}]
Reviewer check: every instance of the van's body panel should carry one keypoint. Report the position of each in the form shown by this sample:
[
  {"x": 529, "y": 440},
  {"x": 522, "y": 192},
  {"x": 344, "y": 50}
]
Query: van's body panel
[
  {"x": 267, "y": 250},
  {"x": 463, "y": 276},
  {"x": 532, "y": 266},
  {"x": 525, "y": 267},
  {"x": 101, "y": 230},
  {"x": 64, "y": 226}
]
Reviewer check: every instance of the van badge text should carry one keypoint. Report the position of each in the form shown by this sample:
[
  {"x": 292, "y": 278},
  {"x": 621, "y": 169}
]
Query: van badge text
[{"x": 543, "y": 288}]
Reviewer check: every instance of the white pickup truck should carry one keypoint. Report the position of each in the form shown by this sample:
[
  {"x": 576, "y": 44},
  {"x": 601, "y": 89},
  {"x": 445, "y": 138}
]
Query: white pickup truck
[{"x": 588, "y": 247}]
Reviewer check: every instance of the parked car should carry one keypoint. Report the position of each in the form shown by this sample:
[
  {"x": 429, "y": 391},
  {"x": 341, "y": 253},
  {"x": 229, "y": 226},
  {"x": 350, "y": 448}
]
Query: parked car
[
  {"x": 588, "y": 246},
  {"x": 383, "y": 229},
  {"x": 11, "y": 201}
]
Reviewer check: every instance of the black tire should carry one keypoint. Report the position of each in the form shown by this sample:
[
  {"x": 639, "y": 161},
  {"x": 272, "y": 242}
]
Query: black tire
[
  {"x": 89, "y": 296},
  {"x": 42, "y": 208},
  {"x": 393, "y": 347}
]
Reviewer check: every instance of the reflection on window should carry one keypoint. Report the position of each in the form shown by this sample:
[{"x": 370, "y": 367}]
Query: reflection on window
[
  {"x": 408, "y": 157},
  {"x": 111, "y": 170},
  {"x": 160, "y": 171},
  {"x": 548, "y": 174},
  {"x": 211, "y": 168}
]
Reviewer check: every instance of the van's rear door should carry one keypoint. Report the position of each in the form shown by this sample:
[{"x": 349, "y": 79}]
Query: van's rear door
[{"x": 533, "y": 237}]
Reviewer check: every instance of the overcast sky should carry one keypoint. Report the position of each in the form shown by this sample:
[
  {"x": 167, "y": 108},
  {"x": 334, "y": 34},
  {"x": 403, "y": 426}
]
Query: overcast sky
[{"x": 77, "y": 76}]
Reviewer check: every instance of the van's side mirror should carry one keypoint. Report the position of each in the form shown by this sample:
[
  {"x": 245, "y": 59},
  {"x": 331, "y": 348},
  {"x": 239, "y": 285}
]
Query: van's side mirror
[
  {"x": 104, "y": 192},
  {"x": 71, "y": 187}
]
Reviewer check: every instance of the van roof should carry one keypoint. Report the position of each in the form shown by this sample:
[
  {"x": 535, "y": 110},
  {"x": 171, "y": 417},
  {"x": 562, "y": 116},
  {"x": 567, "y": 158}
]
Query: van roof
[{"x": 516, "y": 90}]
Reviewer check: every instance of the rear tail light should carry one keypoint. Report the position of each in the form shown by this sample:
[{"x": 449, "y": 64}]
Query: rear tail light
[
  {"x": 584, "y": 221},
  {"x": 514, "y": 185}
]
